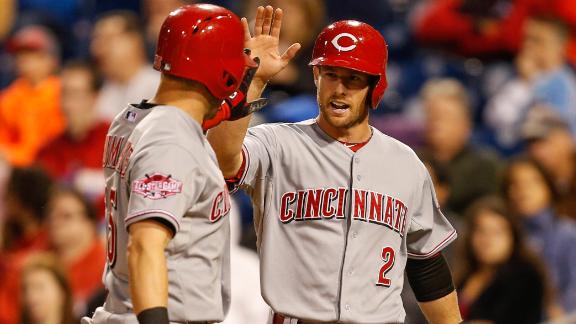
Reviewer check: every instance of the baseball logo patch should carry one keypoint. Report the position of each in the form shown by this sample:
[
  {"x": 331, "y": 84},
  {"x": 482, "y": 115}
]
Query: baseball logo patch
[{"x": 157, "y": 186}]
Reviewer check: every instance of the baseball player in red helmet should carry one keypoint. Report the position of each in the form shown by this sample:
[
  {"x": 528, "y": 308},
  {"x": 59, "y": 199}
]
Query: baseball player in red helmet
[
  {"x": 341, "y": 210},
  {"x": 166, "y": 199}
]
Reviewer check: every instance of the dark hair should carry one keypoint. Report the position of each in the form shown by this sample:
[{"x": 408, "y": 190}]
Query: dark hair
[
  {"x": 50, "y": 263},
  {"x": 132, "y": 23},
  {"x": 96, "y": 80},
  {"x": 546, "y": 176},
  {"x": 31, "y": 187},
  {"x": 89, "y": 209}
]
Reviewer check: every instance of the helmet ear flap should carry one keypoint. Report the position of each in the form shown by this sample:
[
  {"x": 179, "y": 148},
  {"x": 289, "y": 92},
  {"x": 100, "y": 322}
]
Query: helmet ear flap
[
  {"x": 377, "y": 91},
  {"x": 229, "y": 81}
]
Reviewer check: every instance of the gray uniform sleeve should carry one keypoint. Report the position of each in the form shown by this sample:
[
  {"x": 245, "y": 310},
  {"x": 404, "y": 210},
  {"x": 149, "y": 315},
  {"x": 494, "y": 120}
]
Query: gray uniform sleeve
[
  {"x": 259, "y": 150},
  {"x": 429, "y": 231},
  {"x": 164, "y": 183}
]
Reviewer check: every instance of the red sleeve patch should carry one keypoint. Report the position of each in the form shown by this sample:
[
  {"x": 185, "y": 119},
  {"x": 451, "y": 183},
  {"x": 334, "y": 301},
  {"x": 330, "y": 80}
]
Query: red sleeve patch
[{"x": 157, "y": 186}]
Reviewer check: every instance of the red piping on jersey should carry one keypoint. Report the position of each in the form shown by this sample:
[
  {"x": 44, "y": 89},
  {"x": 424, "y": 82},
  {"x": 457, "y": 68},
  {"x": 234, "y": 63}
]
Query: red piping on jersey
[{"x": 435, "y": 249}]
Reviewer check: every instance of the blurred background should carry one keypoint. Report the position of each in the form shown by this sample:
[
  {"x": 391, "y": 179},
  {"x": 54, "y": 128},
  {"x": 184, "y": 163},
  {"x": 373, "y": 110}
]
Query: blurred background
[{"x": 483, "y": 90}]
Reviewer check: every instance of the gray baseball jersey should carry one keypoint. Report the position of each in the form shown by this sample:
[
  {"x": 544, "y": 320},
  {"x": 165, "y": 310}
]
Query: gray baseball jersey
[
  {"x": 335, "y": 227},
  {"x": 159, "y": 165}
]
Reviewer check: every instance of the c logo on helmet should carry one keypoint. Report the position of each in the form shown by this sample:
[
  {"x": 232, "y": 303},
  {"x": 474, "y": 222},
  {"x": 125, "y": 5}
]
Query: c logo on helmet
[{"x": 344, "y": 48}]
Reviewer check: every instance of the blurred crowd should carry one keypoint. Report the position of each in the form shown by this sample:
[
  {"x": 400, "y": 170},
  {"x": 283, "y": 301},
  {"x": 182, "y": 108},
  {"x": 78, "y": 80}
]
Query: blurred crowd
[{"x": 483, "y": 90}]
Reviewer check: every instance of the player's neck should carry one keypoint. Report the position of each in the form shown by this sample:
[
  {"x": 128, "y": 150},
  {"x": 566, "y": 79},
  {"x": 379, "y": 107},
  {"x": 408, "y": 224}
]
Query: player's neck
[
  {"x": 195, "y": 103},
  {"x": 358, "y": 133}
]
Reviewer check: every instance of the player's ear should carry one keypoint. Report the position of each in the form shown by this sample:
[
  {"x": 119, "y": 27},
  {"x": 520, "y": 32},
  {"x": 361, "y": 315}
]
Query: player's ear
[{"x": 316, "y": 72}]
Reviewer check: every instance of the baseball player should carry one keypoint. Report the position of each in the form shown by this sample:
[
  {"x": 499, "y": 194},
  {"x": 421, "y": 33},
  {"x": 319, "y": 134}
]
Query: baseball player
[
  {"x": 166, "y": 200},
  {"x": 341, "y": 210}
]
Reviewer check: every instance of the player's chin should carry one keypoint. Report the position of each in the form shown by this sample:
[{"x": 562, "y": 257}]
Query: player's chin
[{"x": 340, "y": 121}]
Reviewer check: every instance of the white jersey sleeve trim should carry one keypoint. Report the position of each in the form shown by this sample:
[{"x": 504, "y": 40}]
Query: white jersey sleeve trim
[
  {"x": 141, "y": 215},
  {"x": 451, "y": 237}
]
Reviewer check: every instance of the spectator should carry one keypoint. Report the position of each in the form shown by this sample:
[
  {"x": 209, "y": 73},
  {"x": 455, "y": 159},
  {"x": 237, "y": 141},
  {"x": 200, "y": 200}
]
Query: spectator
[
  {"x": 71, "y": 224},
  {"x": 473, "y": 172},
  {"x": 550, "y": 142},
  {"x": 118, "y": 46},
  {"x": 543, "y": 78},
  {"x": 30, "y": 113},
  {"x": 498, "y": 280},
  {"x": 486, "y": 28},
  {"x": 75, "y": 157},
  {"x": 46, "y": 297},
  {"x": 26, "y": 195},
  {"x": 155, "y": 11},
  {"x": 531, "y": 193}
]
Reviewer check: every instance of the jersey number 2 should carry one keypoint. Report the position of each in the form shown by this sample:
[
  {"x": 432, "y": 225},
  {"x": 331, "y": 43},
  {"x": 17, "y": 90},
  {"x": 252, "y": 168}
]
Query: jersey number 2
[
  {"x": 388, "y": 258},
  {"x": 111, "y": 234}
]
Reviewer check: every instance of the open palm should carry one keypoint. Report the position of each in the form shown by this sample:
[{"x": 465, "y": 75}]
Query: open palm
[{"x": 264, "y": 43}]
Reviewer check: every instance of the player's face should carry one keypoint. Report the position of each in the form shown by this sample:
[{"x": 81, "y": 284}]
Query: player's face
[{"x": 342, "y": 96}]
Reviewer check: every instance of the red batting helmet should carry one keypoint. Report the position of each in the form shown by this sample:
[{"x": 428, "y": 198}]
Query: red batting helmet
[
  {"x": 354, "y": 45},
  {"x": 205, "y": 43}
]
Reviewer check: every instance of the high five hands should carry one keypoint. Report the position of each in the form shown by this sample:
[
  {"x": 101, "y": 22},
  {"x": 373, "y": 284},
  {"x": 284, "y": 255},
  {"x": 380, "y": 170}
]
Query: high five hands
[{"x": 264, "y": 43}]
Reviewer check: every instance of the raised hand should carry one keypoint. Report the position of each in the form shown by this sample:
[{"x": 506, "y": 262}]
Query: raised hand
[{"x": 264, "y": 43}]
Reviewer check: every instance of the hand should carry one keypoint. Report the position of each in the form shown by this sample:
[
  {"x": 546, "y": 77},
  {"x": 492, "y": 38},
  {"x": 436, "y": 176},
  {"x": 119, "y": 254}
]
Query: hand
[{"x": 264, "y": 43}]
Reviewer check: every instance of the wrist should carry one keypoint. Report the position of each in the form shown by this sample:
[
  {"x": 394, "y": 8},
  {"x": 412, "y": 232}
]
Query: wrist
[
  {"x": 154, "y": 315},
  {"x": 256, "y": 89},
  {"x": 258, "y": 83}
]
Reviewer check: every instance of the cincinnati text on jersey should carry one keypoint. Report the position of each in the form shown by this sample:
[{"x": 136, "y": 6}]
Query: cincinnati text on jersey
[
  {"x": 327, "y": 203},
  {"x": 116, "y": 154}
]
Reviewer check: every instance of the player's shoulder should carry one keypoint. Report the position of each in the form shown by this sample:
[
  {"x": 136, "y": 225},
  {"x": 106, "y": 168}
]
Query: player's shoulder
[
  {"x": 392, "y": 144},
  {"x": 167, "y": 125},
  {"x": 281, "y": 128},
  {"x": 394, "y": 147}
]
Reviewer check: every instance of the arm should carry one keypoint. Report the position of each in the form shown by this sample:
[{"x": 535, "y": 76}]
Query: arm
[
  {"x": 148, "y": 278},
  {"x": 227, "y": 138},
  {"x": 431, "y": 281},
  {"x": 442, "y": 310}
]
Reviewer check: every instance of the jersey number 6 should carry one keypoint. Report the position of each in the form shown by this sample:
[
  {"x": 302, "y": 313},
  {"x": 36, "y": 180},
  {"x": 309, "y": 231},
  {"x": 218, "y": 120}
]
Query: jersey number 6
[{"x": 388, "y": 258}]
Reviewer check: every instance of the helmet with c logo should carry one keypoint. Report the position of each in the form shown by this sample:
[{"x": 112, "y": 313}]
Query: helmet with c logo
[{"x": 354, "y": 45}]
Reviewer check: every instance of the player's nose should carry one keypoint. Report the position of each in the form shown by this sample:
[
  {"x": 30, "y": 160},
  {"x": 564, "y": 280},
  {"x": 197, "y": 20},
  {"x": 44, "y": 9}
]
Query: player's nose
[{"x": 340, "y": 86}]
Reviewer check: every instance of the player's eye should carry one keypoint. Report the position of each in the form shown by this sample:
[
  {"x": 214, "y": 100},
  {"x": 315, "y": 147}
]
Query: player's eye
[{"x": 331, "y": 75}]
